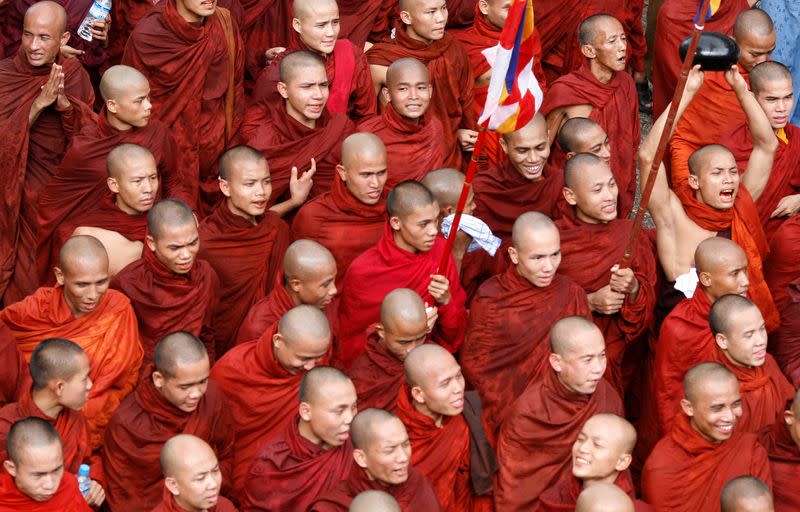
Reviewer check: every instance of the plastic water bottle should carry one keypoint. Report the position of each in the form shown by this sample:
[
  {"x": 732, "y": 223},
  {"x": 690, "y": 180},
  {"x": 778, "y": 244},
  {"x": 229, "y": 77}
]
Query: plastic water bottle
[
  {"x": 98, "y": 11},
  {"x": 84, "y": 482}
]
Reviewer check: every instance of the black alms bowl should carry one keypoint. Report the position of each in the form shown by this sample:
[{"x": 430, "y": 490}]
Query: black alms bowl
[{"x": 715, "y": 51}]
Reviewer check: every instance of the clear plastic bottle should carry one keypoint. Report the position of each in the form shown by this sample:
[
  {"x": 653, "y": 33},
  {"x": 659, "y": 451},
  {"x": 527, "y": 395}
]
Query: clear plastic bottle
[
  {"x": 84, "y": 482},
  {"x": 99, "y": 10}
]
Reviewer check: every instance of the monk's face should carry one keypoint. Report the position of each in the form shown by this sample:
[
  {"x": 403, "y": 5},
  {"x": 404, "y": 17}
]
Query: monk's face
[
  {"x": 595, "y": 141},
  {"x": 409, "y": 92},
  {"x": 136, "y": 186},
  {"x": 318, "y": 26},
  {"x": 330, "y": 412},
  {"x": 745, "y": 342},
  {"x": 74, "y": 392},
  {"x": 495, "y": 11},
  {"x": 306, "y": 93},
  {"x": 299, "y": 356},
  {"x": 319, "y": 286},
  {"x": 528, "y": 150},
  {"x": 610, "y": 46},
  {"x": 416, "y": 232},
  {"x": 717, "y": 181},
  {"x": 176, "y": 246},
  {"x": 365, "y": 175},
  {"x": 716, "y": 409},
  {"x": 400, "y": 337},
  {"x": 84, "y": 283},
  {"x": 42, "y": 37},
  {"x": 777, "y": 101},
  {"x": 727, "y": 275},
  {"x": 593, "y": 193},
  {"x": 38, "y": 472},
  {"x": 186, "y": 386},
  {"x": 197, "y": 480},
  {"x": 132, "y": 106},
  {"x": 580, "y": 368},
  {"x": 196, "y": 10},
  {"x": 248, "y": 188},
  {"x": 441, "y": 388},
  {"x": 755, "y": 49},
  {"x": 388, "y": 454},
  {"x": 425, "y": 19},
  {"x": 538, "y": 256},
  {"x": 598, "y": 452}
]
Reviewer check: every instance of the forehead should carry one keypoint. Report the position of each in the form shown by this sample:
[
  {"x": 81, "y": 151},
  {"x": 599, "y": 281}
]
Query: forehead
[
  {"x": 591, "y": 135},
  {"x": 592, "y": 174},
  {"x": 530, "y": 135},
  {"x": 777, "y": 87},
  {"x": 746, "y": 318},
  {"x": 402, "y": 328},
  {"x": 333, "y": 393},
  {"x": 190, "y": 369},
  {"x": 717, "y": 159},
  {"x": 86, "y": 269},
  {"x": 421, "y": 5},
  {"x": 717, "y": 390},
  {"x": 729, "y": 259},
  {"x": 423, "y": 213},
  {"x": 173, "y": 233},
  {"x": 40, "y": 457},
  {"x": 409, "y": 74},
  {"x": 318, "y": 9},
  {"x": 306, "y": 73},
  {"x": 607, "y": 26},
  {"x": 137, "y": 165},
  {"x": 246, "y": 168},
  {"x": 586, "y": 342},
  {"x": 42, "y": 19},
  {"x": 541, "y": 239},
  {"x": 388, "y": 433}
]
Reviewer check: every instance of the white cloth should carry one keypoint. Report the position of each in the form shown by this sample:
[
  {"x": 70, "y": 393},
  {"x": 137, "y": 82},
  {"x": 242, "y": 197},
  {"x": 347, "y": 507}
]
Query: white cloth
[
  {"x": 482, "y": 236},
  {"x": 687, "y": 283}
]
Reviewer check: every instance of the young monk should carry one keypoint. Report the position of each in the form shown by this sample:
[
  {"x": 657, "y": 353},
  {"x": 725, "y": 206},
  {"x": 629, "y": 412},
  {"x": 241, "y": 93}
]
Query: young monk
[
  {"x": 406, "y": 127},
  {"x": 382, "y": 455},
  {"x": 170, "y": 273},
  {"x": 420, "y": 33},
  {"x": 782, "y": 441},
  {"x": 36, "y": 119},
  {"x": 192, "y": 477},
  {"x": 33, "y": 477},
  {"x": 308, "y": 277},
  {"x": 506, "y": 347},
  {"x": 374, "y": 500},
  {"x": 261, "y": 379},
  {"x": 314, "y": 452},
  {"x": 350, "y": 218},
  {"x": 82, "y": 308},
  {"x": 584, "y": 135},
  {"x": 746, "y": 494},
  {"x": 407, "y": 255},
  {"x": 704, "y": 442},
  {"x": 193, "y": 56},
  {"x": 174, "y": 397},
  {"x": 602, "y": 498}
]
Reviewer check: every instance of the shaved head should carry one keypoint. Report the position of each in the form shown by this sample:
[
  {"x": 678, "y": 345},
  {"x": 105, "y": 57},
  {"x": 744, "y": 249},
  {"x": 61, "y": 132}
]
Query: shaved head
[
  {"x": 712, "y": 252},
  {"x": 752, "y": 22},
  {"x": 572, "y": 135},
  {"x": 374, "y": 501},
  {"x": 725, "y": 309},
  {"x": 302, "y": 323},
  {"x": 589, "y": 28},
  {"x": 700, "y": 374},
  {"x": 445, "y": 184},
  {"x": 368, "y": 426},
  {"x": 360, "y": 146},
  {"x": 402, "y": 305},
  {"x": 126, "y": 156},
  {"x": 767, "y": 72},
  {"x": 230, "y": 160},
  {"x": 567, "y": 334},
  {"x": 48, "y": 12},
  {"x": 421, "y": 361},
  {"x": 303, "y": 8},
  {"x": 528, "y": 223},
  {"x": 296, "y": 62},
  {"x": 55, "y": 358},
  {"x": 401, "y": 70},
  {"x": 174, "y": 452},
  {"x": 746, "y": 494},
  {"x": 29, "y": 433},
  {"x": 579, "y": 165},
  {"x": 603, "y": 497},
  {"x": 618, "y": 428},
  {"x": 168, "y": 214},
  {"x": 318, "y": 380},
  {"x": 119, "y": 79},
  {"x": 700, "y": 156},
  {"x": 304, "y": 258},
  {"x": 82, "y": 251},
  {"x": 536, "y": 128},
  {"x": 177, "y": 349},
  {"x": 408, "y": 197}
]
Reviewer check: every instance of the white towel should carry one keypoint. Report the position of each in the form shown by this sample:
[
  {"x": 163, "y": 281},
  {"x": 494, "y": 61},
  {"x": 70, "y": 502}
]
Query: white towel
[{"x": 482, "y": 236}]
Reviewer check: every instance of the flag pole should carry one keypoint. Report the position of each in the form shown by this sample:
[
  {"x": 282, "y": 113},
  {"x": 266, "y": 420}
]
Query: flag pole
[{"x": 665, "y": 136}]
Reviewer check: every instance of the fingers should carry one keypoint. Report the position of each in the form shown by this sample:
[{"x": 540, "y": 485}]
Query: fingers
[
  {"x": 293, "y": 176},
  {"x": 313, "y": 168}
]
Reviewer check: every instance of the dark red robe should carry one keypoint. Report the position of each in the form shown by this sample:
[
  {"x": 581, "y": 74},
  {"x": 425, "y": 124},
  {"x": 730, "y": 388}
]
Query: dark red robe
[
  {"x": 780, "y": 268},
  {"x": 364, "y": 20},
  {"x": 168, "y": 504},
  {"x": 785, "y": 345},
  {"x": 67, "y": 498},
  {"x": 267, "y": 24},
  {"x": 784, "y": 463},
  {"x": 15, "y": 377},
  {"x": 377, "y": 375},
  {"x": 557, "y": 22},
  {"x": 563, "y": 496}
]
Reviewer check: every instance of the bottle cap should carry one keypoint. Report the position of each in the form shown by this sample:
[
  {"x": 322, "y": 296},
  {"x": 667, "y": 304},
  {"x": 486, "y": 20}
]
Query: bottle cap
[{"x": 83, "y": 470}]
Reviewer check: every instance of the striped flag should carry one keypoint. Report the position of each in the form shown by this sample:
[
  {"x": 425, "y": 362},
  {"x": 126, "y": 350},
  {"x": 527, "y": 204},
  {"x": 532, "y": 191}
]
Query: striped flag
[
  {"x": 713, "y": 7},
  {"x": 514, "y": 93}
]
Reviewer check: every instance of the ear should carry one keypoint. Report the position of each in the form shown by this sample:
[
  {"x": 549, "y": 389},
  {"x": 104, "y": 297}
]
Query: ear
[
  {"x": 569, "y": 196},
  {"x": 504, "y": 144},
  {"x": 687, "y": 408},
  {"x": 342, "y": 173},
  {"x": 112, "y": 184},
  {"x": 380, "y": 330},
  {"x": 395, "y": 223},
  {"x": 224, "y": 187},
  {"x": 151, "y": 242},
  {"x": 722, "y": 341},
  {"x": 10, "y": 467},
  {"x": 694, "y": 182},
  {"x": 296, "y": 25},
  {"x": 386, "y": 96},
  {"x": 277, "y": 340},
  {"x": 555, "y": 362},
  {"x": 512, "y": 253},
  {"x": 59, "y": 275},
  {"x": 483, "y": 5},
  {"x": 448, "y": 210},
  {"x": 64, "y": 38},
  {"x": 570, "y": 154},
  {"x": 588, "y": 51},
  {"x": 624, "y": 462},
  {"x": 283, "y": 90},
  {"x": 788, "y": 418},
  {"x": 405, "y": 17},
  {"x": 360, "y": 457},
  {"x": 294, "y": 284},
  {"x": 305, "y": 411},
  {"x": 111, "y": 106},
  {"x": 418, "y": 395},
  {"x": 158, "y": 379},
  {"x": 172, "y": 485},
  {"x": 705, "y": 278},
  {"x": 58, "y": 387}
]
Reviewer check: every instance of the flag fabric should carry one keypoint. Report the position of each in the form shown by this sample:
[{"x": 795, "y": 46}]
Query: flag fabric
[
  {"x": 514, "y": 93},
  {"x": 713, "y": 7}
]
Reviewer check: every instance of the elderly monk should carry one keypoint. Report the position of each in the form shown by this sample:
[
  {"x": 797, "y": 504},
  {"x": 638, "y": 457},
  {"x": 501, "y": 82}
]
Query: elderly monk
[
  {"x": 350, "y": 218},
  {"x": 82, "y": 179},
  {"x": 192, "y": 53},
  {"x": 374, "y": 500},
  {"x": 262, "y": 377},
  {"x": 33, "y": 477},
  {"x": 15, "y": 376},
  {"x": 602, "y": 91},
  {"x": 314, "y": 452},
  {"x": 705, "y": 443},
  {"x": 298, "y": 131},
  {"x": 405, "y": 126},
  {"x": 82, "y": 308},
  {"x": 36, "y": 119},
  {"x": 551, "y": 412},
  {"x": 173, "y": 397},
  {"x": 506, "y": 347},
  {"x": 169, "y": 273},
  {"x": 782, "y": 441},
  {"x": 243, "y": 241},
  {"x": 408, "y": 255},
  {"x": 308, "y": 277},
  {"x": 604, "y": 498},
  {"x": 746, "y": 494},
  {"x": 382, "y": 455},
  {"x": 431, "y": 404},
  {"x": 520, "y": 183},
  {"x": 192, "y": 477},
  {"x": 420, "y": 33}
]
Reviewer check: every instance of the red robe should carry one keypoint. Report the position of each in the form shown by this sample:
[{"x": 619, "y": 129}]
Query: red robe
[
  {"x": 267, "y": 24},
  {"x": 246, "y": 259},
  {"x": 342, "y": 223},
  {"x": 557, "y": 22},
  {"x": 785, "y": 345},
  {"x": 408, "y": 144},
  {"x": 109, "y": 336},
  {"x": 384, "y": 268},
  {"x": 166, "y": 302},
  {"x": 784, "y": 463},
  {"x": 629, "y": 14},
  {"x": 686, "y": 472},
  {"x": 145, "y": 421},
  {"x": 781, "y": 268},
  {"x": 507, "y": 342},
  {"x": 563, "y": 496},
  {"x": 15, "y": 377},
  {"x": 196, "y": 74},
  {"x": 451, "y": 77},
  {"x": 546, "y": 414},
  {"x": 415, "y": 494},
  {"x": 364, "y": 20},
  {"x": 377, "y": 375},
  {"x": 28, "y": 158},
  {"x": 615, "y": 107},
  {"x": 168, "y": 504},
  {"x": 290, "y": 471},
  {"x": 262, "y": 399},
  {"x": 67, "y": 498},
  {"x": 71, "y": 427}
]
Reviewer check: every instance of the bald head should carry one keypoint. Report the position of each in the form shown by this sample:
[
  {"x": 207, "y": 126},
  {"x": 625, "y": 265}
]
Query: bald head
[
  {"x": 127, "y": 156},
  {"x": 374, "y": 501},
  {"x": 304, "y": 323},
  {"x": 579, "y": 166},
  {"x": 305, "y": 8},
  {"x": 725, "y": 309},
  {"x": 767, "y": 73},
  {"x": 529, "y": 223},
  {"x": 56, "y": 359},
  {"x": 424, "y": 360},
  {"x": 168, "y": 214},
  {"x": 304, "y": 258},
  {"x": 177, "y": 349},
  {"x": 567, "y": 334},
  {"x": 82, "y": 252},
  {"x": 175, "y": 452},
  {"x": 29, "y": 433},
  {"x": 700, "y": 157},
  {"x": 119, "y": 79},
  {"x": 50, "y": 13},
  {"x": 408, "y": 197},
  {"x": 618, "y": 429},
  {"x": 402, "y": 305},
  {"x": 406, "y": 70},
  {"x": 752, "y": 22},
  {"x": 534, "y": 130},
  {"x": 573, "y": 134},
  {"x": 700, "y": 375},
  {"x": 297, "y": 63},
  {"x": 714, "y": 251},
  {"x": 746, "y": 494},
  {"x": 235, "y": 158},
  {"x": 368, "y": 425},
  {"x": 603, "y": 497},
  {"x": 590, "y": 27},
  {"x": 318, "y": 380},
  {"x": 361, "y": 146},
  {"x": 445, "y": 184}
]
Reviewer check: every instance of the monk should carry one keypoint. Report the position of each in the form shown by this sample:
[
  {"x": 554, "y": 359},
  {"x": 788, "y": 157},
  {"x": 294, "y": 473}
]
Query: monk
[
  {"x": 746, "y": 494},
  {"x": 506, "y": 347},
  {"x": 36, "y": 119},
  {"x": 308, "y": 277},
  {"x": 82, "y": 179},
  {"x": 522, "y": 182},
  {"x": 350, "y": 218},
  {"x": 382, "y": 455},
  {"x": 551, "y": 412},
  {"x": 33, "y": 478},
  {"x": 15, "y": 370},
  {"x": 602, "y": 91},
  {"x": 192, "y": 477},
  {"x": 169, "y": 273},
  {"x": 298, "y": 129},
  {"x": 407, "y": 256},
  {"x": 192, "y": 53},
  {"x": 431, "y": 404},
  {"x": 242, "y": 240},
  {"x": 785, "y": 344},
  {"x": 782, "y": 441},
  {"x": 314, "y": 452},
  {"x": 81, "y": 308},
  {"x": 420, "y": 33},
  {"x": 604, "y": 498},
  {"x": 261, "y": 379},
  {"x": 703, "y": 442},
  {"x": 374, "y": 500},
  {"x": 406, "y": 127},
  {"x": 584, "y": 135}
]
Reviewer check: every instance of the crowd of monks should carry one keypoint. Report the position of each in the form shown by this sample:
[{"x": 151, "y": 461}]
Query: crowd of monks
[{"x": 226, "y": 284}]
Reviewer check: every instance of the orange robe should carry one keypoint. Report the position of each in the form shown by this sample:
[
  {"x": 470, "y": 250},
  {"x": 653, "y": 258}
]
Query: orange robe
[
  {"x": 67, "y": 498},
  {"x": 377, "y": 375},
  {"x": 784, "y": 463},
  {"x": 109, "y": 336}
]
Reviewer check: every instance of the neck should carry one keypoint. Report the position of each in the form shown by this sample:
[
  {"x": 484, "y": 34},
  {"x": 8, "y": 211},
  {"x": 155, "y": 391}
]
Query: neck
[
  {"x": 402, "y": 243},
  {"x": 701, "y": 434},
  {"x": 304, "y": 428},
  {"x": 179, "y": 500},
  {"x": 116, "y": 123},
  {"x": 413, "y": 35},
  {"x": 422, "y": 409},
  {"x": 293, "y": 295},
  {"x": 733, "y": 361},
  {"x": 249, "y": 218},
  {"x": 47, "y": 402},
  {"x": 602, "y": 73},
  {"x": 308, "y": 123},
  {"x": 608, "y": 479},
  {"x": 124, "y": 207},
  {"x": 586, "y": 218}
]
